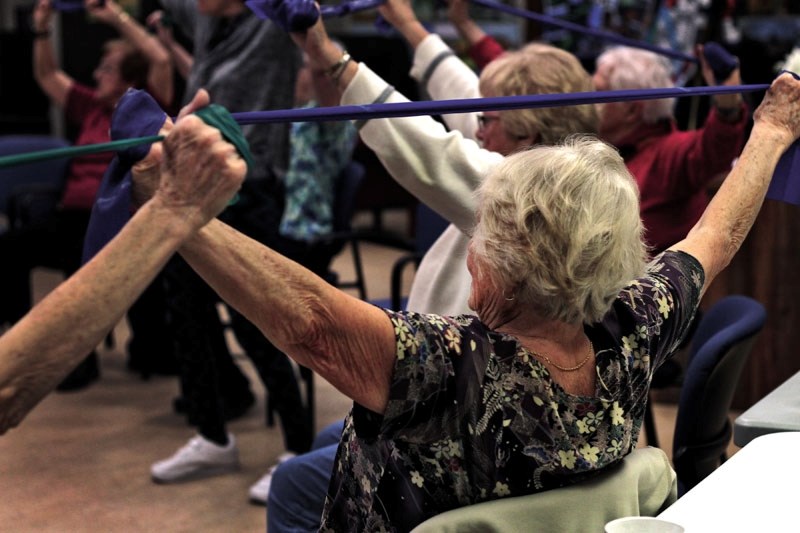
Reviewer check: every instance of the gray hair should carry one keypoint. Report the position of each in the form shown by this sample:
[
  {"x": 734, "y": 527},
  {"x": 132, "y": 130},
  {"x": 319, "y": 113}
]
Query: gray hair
[
  {"x": 559, "y": 228},
  {"x": 632, "y": 68}
]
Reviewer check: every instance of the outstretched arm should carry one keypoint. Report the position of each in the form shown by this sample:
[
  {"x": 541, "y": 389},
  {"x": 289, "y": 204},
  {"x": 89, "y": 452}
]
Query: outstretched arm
[
  {"x": 54, "y": 82},
  {"x": 719, "y": 233},
  {"x": 159, "y": 73},
  {"x": 347, "y": 341}
]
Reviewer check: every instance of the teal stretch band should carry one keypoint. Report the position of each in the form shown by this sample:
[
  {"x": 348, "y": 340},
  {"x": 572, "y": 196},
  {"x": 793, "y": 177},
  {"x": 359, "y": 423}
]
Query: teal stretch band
[{"x": 73, "y": 151}]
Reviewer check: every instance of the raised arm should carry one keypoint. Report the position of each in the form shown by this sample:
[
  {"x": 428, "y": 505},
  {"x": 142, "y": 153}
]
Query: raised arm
[
  {"x": 54, "y": 82},
  {"x": 435, "y": 65},
  {"x": 159, "y": 73},
  {"x": 482, "y": 47},
  {"x": 181, "y": 58},
  {"x": 440, "y": 168},
  {"x": 719, "y": 233}
]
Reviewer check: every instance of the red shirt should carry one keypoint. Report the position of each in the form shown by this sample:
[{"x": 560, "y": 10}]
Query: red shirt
[
  {"x": 86, "y": 172},
  {"x": 485, "y": 51},
  {"x": 673, "y": 169}
]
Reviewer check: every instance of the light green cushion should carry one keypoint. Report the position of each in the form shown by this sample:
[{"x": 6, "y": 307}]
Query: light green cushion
[{"x": 643, "y": 485}]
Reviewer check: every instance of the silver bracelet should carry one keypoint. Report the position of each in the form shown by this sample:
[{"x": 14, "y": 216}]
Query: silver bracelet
[{"x": 336, "y": 71}]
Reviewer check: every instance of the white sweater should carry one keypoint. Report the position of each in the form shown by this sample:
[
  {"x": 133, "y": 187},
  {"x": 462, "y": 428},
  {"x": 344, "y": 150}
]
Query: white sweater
[{"x": 441, "y": 168}]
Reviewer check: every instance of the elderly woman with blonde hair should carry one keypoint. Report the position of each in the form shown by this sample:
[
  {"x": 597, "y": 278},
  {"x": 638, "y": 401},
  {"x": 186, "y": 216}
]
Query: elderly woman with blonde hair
[{"x": 545, "y": 387}]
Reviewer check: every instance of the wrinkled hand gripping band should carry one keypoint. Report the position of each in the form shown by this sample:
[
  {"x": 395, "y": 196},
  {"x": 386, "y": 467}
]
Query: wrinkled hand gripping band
[{"x": 137, "y": 115}]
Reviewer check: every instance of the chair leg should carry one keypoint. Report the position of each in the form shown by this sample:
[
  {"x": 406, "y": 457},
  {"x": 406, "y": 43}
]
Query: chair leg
[
  {"x": 110, "y": 341},
  {"x": 650, "y": 425},
  {"x": 308, "y": 377},
  {"x": 359, "y": 270},
  {"x": 270, "y": 412}
]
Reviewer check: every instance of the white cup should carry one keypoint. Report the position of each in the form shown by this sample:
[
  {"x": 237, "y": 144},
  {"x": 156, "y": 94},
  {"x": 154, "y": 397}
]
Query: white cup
[{"x": 642, "y": 524}]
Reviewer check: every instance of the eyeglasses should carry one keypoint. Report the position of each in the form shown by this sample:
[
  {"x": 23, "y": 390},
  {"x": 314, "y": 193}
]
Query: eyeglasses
[{"x": 484, "y": 120}]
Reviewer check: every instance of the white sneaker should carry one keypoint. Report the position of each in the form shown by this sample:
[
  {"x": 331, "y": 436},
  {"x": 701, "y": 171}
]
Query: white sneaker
[
  {"x": 197, "y": 459},
  {"x": 259, "y": 492}
]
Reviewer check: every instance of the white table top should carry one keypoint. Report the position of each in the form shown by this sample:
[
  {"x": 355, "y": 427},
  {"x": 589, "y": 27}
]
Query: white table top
[
  {"x": 777, "y": 411},
  {"x": 756, "y": 490}
]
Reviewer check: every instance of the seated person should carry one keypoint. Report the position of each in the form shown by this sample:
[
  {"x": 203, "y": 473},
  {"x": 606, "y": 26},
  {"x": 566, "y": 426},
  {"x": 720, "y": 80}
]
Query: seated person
[
  {"x": 673, "y": 168},
  {"x": 442, "y": 169},
  {"x": 448, "y": 411}
]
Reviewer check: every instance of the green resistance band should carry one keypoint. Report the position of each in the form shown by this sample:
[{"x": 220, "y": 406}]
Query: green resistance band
[{"x": 73, "y": 151}]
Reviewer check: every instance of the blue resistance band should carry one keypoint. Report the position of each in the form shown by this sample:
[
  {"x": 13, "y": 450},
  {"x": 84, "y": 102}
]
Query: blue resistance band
[{"x": 407, "y": 109}]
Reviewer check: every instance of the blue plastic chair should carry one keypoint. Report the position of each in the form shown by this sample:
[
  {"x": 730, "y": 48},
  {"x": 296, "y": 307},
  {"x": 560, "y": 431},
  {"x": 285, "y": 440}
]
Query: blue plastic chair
[
  {"x": 721, "y": 344},
  {"x": 44, "y": 178}
]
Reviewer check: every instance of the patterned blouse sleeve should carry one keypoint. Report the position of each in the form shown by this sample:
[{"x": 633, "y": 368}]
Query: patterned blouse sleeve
[
  {"x": 428, "y": 386},
  {"x": 663, "y": 304}
]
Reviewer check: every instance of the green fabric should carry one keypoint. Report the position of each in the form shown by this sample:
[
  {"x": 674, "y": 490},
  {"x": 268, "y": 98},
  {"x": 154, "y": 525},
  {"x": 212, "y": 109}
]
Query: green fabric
[
  {"x": 643, "y": 485},
  {"x": 219, "y": 117}
]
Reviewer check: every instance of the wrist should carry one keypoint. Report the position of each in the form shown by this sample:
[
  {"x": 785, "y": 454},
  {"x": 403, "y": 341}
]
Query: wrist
[
  {"x": 336, "y": 70},
  {"x": 42, "y": 34}
]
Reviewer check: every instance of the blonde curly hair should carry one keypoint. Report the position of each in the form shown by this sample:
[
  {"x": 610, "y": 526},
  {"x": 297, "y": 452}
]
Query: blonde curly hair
[
  {"x": 559, "y": 228},
  {"x": 540, "y": 69}
]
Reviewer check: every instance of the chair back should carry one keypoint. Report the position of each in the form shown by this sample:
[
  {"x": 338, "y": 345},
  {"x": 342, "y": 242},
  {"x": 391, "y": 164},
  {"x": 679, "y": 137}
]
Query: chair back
[
  {"x": 721, "y": 344},
  {"x": 344, "y": 202},
  {"x": 428, "y": 226},
  {"x": 51, "y": 174}
]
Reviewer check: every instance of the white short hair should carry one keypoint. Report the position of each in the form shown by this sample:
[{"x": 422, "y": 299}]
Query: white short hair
[
  {"x": 559, "y": 228},
  {"x": 633, "y": 68}
]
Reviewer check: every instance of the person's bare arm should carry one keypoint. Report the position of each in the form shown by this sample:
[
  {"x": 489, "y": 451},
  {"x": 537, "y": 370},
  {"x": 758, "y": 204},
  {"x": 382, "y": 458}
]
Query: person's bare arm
[
  {"x": 719, "y": 233},
  {"x": 54, "y": 82},
  {"x": 159, "y": 73},
  {"x": 347, "y": 341},
  {"x": 181, "y": 58},
  {"x": 458, "y": 13},
  {"x": 400, "y": 14}
]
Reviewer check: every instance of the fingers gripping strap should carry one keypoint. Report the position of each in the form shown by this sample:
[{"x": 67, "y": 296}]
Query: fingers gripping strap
[
  {"x": 219, "y": 117},
  {"x": 138, "y": 115}
]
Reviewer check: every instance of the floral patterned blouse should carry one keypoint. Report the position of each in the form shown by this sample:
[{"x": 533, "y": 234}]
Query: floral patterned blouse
[{"x": 473, "y": 416}]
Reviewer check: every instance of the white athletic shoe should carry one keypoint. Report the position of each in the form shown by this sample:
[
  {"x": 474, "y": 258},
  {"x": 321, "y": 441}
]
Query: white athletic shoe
[
  {"x": 199, "y": 458},
  {"x": 259, "y": 492}
]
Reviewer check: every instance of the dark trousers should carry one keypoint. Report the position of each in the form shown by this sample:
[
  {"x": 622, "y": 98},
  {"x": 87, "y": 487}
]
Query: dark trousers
[
  {"x": 55, "y": 241},
  {"x": 208, "y": 373}
]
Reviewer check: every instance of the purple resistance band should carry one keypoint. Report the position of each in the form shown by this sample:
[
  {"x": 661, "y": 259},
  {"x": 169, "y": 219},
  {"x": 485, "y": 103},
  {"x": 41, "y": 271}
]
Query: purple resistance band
[
  {"x": 299, "y": 15},
  {"x": 468, "y": 105},
  {"x": 782, "y": 188},
  {"x": 600, "y": 34}
]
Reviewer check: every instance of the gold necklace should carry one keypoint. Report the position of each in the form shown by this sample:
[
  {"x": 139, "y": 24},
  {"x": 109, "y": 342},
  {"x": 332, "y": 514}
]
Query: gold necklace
[{"x": 566, "y": 368}]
